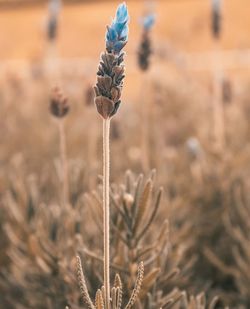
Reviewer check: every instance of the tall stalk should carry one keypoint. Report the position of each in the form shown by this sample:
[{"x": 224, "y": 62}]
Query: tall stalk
[
  {"x": 59, "y": 108},
  {"x": 217, "y": 104},
  {"x": 106, "y": 172},
  {"x": 64, "y": 163},
  {"x": 144, "y": 53},
  {"x": 108, "y": 91},
  {"x": 218, "y": 108},
  {"x": 145, "y": 142}
]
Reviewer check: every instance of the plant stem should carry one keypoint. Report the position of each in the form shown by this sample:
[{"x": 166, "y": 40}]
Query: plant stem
[
  {"x": 64, "y": 163},
  {"x": 145, "y": 124},
  {"x": 106, "y": 163},
  {"x": 218, "y": 109}
]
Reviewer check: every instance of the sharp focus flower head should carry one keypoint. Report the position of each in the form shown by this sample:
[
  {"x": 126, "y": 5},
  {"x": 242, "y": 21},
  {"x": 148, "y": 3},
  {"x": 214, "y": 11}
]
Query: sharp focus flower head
[
  {"x": 117, "y": 32},
  {"x": 148, "y": 21}
]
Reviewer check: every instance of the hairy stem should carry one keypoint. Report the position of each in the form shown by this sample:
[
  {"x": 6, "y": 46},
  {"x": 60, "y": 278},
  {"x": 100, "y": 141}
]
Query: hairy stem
[
  {"x": 64, "y": 163},
  {"x": 106, "y": 162}
]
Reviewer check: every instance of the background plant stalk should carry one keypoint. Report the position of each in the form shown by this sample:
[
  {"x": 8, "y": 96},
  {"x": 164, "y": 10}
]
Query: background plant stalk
[
  {"x": 64, "y": 163},
  {"x": 106, "y": 168},
  {"x": 218, "y": 108}
]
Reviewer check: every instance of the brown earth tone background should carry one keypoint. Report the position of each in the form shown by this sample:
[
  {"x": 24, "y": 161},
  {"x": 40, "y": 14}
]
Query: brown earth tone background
[{"x": 187, "y": 117}]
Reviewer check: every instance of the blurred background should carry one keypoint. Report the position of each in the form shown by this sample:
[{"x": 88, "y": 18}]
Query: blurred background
[{"x": 185, "y": 113}]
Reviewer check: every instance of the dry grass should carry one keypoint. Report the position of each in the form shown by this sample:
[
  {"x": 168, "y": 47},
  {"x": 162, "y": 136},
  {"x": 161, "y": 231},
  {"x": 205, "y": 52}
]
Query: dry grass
[{"x": 197, "y": 249}]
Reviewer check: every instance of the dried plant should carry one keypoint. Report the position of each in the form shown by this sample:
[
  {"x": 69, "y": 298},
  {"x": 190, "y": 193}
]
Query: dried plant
[
  {"x": 134, "y": 208},
  {"x": 145, "y": 50},
  {"x": 143, "y": 59},
  {"x": 116, "y": 291},
  {"x": 212, "y": 203},
  {"x": 59, "y": 108},
  {"x": 39, "y": 256},
  {"x": 47, "y": 252},
  {"x": 237, "y": 226},
  {"x": 39, "y": 249},
  {"x": 108, "y": 89}
]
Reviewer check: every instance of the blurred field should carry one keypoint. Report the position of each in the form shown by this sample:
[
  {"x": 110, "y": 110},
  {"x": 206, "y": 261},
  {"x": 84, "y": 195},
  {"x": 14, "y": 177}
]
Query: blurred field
[
  {"x": 196, "y": 250},
  {"x": 185, "y": 23},
  {"x": 182, "y": 34}
]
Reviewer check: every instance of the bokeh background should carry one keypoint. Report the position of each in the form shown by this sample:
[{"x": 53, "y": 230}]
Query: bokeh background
[{"x": 186, "y": 118}]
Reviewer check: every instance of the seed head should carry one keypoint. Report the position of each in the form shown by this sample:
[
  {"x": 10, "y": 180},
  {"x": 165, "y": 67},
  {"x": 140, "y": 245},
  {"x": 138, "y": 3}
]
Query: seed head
[
  {"x": 110, "y": 73},
  {"x": 59, "y": 106}
]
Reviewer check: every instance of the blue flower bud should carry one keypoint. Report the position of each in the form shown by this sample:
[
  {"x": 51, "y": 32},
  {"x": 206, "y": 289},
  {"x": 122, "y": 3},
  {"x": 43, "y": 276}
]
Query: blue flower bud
[
  {"x": 117, "y": 32},
  {"x": 148, "y": 21}
]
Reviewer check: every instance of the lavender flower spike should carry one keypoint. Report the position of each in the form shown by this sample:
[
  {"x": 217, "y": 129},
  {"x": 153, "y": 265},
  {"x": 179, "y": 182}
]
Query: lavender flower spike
[
  {"x": 145, "y": 50},
  {"x": 117, "y": 32},
  {"x": 110, "y": 72},
  {"x": 216, "y": 18}
]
